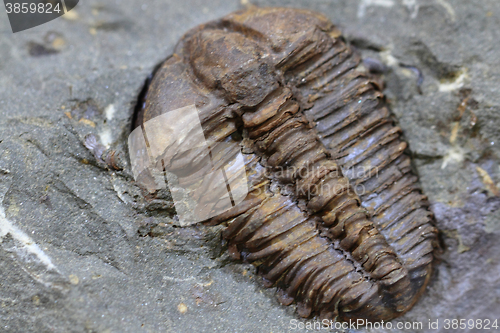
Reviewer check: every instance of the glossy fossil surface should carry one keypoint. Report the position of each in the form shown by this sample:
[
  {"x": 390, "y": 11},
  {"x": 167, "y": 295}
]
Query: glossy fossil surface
[{"x": 314, "y": 128}]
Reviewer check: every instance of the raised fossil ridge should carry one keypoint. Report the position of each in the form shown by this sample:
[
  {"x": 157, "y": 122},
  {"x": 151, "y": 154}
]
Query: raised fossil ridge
[{"x": 313, "y": 127}]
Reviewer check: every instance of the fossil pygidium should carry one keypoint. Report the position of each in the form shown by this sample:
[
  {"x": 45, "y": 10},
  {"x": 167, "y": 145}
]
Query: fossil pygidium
[{"x": 313, "y": 126}]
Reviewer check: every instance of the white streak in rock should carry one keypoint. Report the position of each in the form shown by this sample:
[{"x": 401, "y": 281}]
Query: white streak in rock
[
  {"x": 106, "y": 137},
  {"x": 171, "y": 278},
  {"x": 448, "y": 8},
  {"x": 29, "y": 257},
  {"x": 454, "y": 85},
  {"x": 454, "y": 155},
  {"x": 106, "y": 134},
  {"x": 388, "y": 58},
  {"x": 26, "y": 245},
  {"x": 364, "y": 4},
  {"x": 110, "y": 112},
  {"x": 412, "y": 6}
]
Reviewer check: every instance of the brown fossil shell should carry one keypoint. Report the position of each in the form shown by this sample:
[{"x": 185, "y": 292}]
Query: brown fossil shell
[{"x": 314, "y": 128}]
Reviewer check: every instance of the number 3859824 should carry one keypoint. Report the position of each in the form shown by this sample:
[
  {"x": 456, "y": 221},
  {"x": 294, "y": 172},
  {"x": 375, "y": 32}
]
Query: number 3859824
[
  {"x": 484, "y": 324},
  {"x": 25, "y": 8}
]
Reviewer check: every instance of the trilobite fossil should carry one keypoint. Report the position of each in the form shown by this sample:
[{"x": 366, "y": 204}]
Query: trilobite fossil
[{"x": 284, "y": 86}]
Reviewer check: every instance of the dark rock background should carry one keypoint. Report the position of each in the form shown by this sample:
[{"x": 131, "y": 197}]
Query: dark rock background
[{"x": 80, "y": 250}]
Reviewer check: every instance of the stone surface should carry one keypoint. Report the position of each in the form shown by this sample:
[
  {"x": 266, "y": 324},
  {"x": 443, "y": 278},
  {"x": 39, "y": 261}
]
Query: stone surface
[{"x": 81, "y": 251}]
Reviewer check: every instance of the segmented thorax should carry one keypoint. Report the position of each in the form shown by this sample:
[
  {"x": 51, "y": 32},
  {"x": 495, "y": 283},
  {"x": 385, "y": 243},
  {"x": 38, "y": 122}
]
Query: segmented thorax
[{"x": 334, "y": 217}]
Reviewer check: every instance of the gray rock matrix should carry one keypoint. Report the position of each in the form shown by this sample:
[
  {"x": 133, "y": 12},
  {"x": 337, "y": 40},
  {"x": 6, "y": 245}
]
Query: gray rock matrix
[{"x": 82, "y": 250}]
